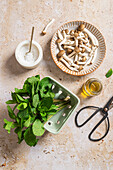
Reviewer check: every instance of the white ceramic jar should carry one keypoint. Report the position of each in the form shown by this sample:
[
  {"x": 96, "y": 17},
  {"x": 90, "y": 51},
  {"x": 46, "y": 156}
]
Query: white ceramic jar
[{"x": 23, "y": 48}]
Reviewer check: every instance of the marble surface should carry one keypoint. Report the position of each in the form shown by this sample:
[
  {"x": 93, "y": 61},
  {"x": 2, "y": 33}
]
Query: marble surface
[{"x": 70, "y": 149}]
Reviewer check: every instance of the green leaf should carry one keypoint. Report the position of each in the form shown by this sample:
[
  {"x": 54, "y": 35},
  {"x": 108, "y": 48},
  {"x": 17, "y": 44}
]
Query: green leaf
[
  {"x": 27, "y": 87},
  {"x": 53, "y": 107},
  {"x": 33, "y": 89},
  {"x": 44, "y": 82},
  {"x": 29, "y": 121},
  {"x": 14, "y": 97},
  {"x": 22, "y": 106},
  {"x": 32, "y": 80},
  {"x": 8, "y": 125},
  {"x": 11, "y": 113},
  {"x": 20, "y": 98},
  {"x": 18, "y": 131},
  {"x": 29, "y": 137},
  {"x": 43, "y": 114},
  {"x": 44, "y": 119},
  {"x": 109, "y": 73},
  {"x": 15, "y": 107},
  {"x": 20, "y": 91},
  {"x": 33, "y": 110},
  {"x": 38, "y": 128},
  {"x": 14, "y": 125},
  {"x": 47, "y": 102},
  {"x": 49, "y": 94},
  {"x": 10, "y": 102},
  {"x": 23, "y": 113},
  {"x": 35, "y": 100},
  {"x": 51, "y": 113}
]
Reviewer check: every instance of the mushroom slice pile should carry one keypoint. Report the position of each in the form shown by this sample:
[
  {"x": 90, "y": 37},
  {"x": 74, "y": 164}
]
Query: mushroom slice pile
[{"x": 77, "y": 48}]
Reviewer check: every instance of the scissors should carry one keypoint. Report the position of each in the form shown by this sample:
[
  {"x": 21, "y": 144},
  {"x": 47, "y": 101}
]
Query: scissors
[{"x": 104, "y": 112}]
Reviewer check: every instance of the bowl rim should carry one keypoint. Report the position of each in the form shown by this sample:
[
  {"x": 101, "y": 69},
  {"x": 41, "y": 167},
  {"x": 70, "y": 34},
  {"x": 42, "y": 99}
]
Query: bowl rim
[
  {"x": 82, "y": 22},
  {"x": 37, "y": 46}
]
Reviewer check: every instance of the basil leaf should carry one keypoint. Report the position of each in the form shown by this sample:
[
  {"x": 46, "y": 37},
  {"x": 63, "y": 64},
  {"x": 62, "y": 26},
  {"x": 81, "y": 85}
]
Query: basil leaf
[
  {"x": 18, "y": 131},
  {"x": 29, "y": 137},
  {"x": 43, "y": 114},
  {"x": 14, "y": 97},
  {"x": 47, "y": 102},
  {"x": 23, "y": 113},
  {"x": 109, "y": 73},
  {"x": 20, "y": 98},
  {"x": 32, "y": 80},
  {"x": 10, "y": 102},
  {"x": 8, "y": 125},
  {"x": 38, "y": 128},
  {"x": 33, "y": 89},
  {"x": 29, "y": 121},
  {"x": 35, "y": 100},
  {"x": 11, "y": 113},
  {"x": 44, "y": 82},
  {"x": 22, "y": 106},
  {"x": 51, "y": 113},
  {"x": 20, "y": 91}
]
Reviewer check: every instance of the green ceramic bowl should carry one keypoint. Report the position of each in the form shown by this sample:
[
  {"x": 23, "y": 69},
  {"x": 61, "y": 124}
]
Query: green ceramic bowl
[{"x": 56, "y": 122}]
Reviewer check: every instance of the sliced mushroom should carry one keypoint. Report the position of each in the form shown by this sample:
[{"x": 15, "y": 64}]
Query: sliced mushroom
[
  {"x": 69, "y": 51},
  {"x": 68, "y": 65},
  {"x": 82, "y": 55},
  {"x": 76, "y": 34},
  {"x": 72, "y": 32},
  {"x": 59, "y": 46},
  {"x": 87, "y": 48},
  {"x": 73, "y": 53},
  {"x": 61, "y": 53},
  {"x": 58, "y": 40},
  {"x": 45, "y": 29},
  {"x": 80, "y": 68},
  {"x": 69, "y": 47},
  {"x": 64, "y": 34},
  {"x": 92, "y": 37},
  {"x": 77, "y": 50},
  {"x": 81, "y": 27},
  {"x": 75, "y": 65},
  {"x": 66, "y": 31},
  {"x": 94, "y": 57},
  {"x": 60, "y": 35},
  {"x": 81, "y": 48},
  {"x": 76, "y": 57},
  {"x": 72, "y": 43}
]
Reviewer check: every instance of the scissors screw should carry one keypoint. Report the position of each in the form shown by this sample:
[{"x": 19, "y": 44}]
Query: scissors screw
[{"x": 106, "y": 109}]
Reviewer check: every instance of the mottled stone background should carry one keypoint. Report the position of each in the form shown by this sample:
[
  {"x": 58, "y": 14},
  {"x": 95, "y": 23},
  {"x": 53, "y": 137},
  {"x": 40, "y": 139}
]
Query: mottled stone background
[{"x": 70, "y": 149}]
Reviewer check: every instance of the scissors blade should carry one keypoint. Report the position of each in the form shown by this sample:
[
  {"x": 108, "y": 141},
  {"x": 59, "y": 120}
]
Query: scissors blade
[{"x": 109, "y": 105}]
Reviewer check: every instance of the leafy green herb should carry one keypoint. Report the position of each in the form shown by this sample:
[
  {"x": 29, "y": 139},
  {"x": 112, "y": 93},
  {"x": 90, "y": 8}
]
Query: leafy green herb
[
  {"x": 29, "y": 137},
  {"x": 8, "y": 125},
  {"x": 34, "y": 105},
  {"x": 11, "y": 113},
  {"x": 35, "y": 100},
  {"x": 109, "y": 73},
  {"x": 38, "y": 128}
]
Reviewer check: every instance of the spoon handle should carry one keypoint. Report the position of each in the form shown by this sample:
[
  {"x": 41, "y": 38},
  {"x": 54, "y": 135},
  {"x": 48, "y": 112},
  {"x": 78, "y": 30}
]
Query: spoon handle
[{"x": 31, "y": 39}]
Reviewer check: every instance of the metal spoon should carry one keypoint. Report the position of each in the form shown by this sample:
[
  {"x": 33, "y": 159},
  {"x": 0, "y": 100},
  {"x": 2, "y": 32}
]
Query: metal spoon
[{"x": 30, "y": 41}]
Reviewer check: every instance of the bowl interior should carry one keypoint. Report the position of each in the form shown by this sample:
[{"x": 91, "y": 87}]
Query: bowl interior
[{"x": 100, "y": 52}]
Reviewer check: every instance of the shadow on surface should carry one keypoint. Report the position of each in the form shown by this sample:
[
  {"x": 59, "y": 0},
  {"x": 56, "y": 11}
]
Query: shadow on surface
[{"x": 13, "y": 66}]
